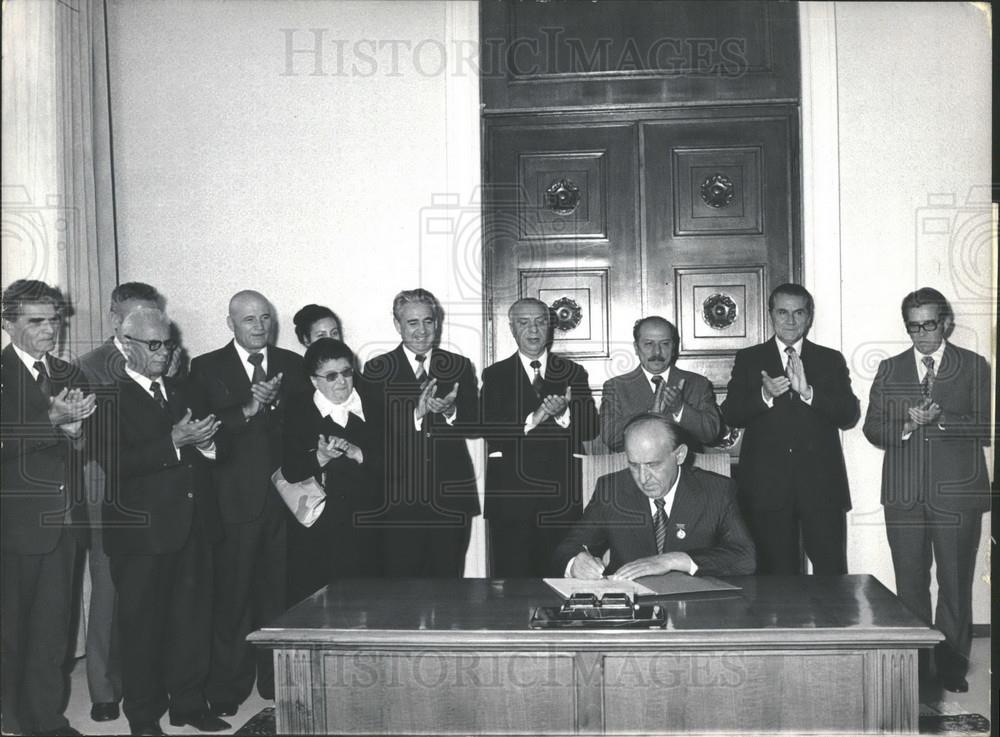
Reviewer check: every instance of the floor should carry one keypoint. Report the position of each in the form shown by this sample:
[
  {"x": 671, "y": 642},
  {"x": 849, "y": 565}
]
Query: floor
[{"x": 933, "y": 701}]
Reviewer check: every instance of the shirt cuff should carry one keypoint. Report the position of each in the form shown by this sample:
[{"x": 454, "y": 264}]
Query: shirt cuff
[
  {"x": 417, "y": 423},
  {"x": 563, "y": 419},
  {"x": 694, "y": 567},
  {"x": 678, "y": 413},
  {"x": 569, "y": 566},
  {"x": 208, "y": 452},
  {"x": 529, "y": 423},
  {"x": 769, "y": 401},
  {"x": 811, "y": 397}
]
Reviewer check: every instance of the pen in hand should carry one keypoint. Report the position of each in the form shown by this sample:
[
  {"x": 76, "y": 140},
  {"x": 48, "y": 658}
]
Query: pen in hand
[{"x": 598, "y": 560}]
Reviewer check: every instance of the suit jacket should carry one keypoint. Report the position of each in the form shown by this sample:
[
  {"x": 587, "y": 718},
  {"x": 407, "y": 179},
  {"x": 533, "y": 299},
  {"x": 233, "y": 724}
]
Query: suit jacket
[
  {"x": 941, "y": 465},
  {"x": 104, "y": 365},
  {"x": 40, "y": 472},
  {"x": 153, "y": 497},
  {"x": 244, "y": 478},
  {"x": 628, "y": 395},
  {"x": 618, "y": 518},
  {"x": 792, "y": 450},
  {"x": 537, "y": 472},
  {"x": 428, "y": 472}
]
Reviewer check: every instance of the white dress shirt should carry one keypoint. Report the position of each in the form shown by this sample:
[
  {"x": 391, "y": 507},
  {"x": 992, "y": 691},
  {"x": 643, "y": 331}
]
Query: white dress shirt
[
  {"x": 529, "y": 423},
  {"x": 244, "y": 355},
  {"x": 797, "y": 346},
  {"x": 665, "y": 376}
]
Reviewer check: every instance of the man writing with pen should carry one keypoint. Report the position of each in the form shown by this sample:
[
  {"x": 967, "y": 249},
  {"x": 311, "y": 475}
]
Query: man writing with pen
[{"x": 657, "y": 516}]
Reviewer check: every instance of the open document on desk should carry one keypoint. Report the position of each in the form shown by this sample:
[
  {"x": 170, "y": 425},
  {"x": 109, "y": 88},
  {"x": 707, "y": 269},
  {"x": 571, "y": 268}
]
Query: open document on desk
[{"x": 669, "y": 584}]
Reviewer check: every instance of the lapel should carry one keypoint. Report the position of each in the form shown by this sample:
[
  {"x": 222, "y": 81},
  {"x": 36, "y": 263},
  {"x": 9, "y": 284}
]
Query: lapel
[
  {"x": 685, "y": 510},
  {"x": 524, "y": 396},
  {"x": 638, "y": 503},
  {"x": 404, "y": 371},
  {"x": 236, "y": 376},
  {"x": 640, "y": 391},
  {"x": 772, "y": 358},
  {"x": 143, "y": 399},
  {"x": 23, "y": 384}
]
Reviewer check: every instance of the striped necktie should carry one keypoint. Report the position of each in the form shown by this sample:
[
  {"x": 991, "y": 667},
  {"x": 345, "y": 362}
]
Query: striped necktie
[{"x": 660, "y": 524}]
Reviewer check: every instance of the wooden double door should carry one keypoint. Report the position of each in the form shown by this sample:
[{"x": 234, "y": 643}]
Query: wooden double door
[{"x": 691, "y": 213}]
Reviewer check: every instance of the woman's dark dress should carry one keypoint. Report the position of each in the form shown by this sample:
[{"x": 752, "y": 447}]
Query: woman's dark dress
[{"x": 335, "y": 546}]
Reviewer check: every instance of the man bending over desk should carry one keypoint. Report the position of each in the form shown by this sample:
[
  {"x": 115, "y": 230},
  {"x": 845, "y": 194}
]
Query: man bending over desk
[{"x": 657, "y": 517}]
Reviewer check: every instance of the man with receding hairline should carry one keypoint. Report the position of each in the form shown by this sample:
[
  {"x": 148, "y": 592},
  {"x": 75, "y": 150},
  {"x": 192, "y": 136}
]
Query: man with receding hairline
[
  {"x": 793, "y": 397},
  {"x": 657, "y": 385},
  {"x": 247, "y": 383},
  {"x": 103, "y": 367},
  {"x": 161, "y": 522},
  {"x": 657, "y": 516},
  {"x": 537, "y": 411},
  {"x": 43, "y": 408}
]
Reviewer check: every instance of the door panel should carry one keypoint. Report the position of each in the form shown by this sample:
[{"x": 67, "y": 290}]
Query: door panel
[
  {"x": 689, "y": 214},
  {"x": 562, "y": 227}
]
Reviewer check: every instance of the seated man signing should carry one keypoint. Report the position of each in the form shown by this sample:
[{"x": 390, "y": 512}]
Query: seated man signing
[{"x": 656, "y": 517}]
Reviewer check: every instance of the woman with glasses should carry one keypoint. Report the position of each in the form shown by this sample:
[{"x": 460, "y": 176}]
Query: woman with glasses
[
  {"x": 330, "y": 436},
  {"x": 313, "y": 322}
]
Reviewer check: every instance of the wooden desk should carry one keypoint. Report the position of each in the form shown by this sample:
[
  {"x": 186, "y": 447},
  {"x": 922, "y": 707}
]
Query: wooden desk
[{"x": 786, "y": 654}]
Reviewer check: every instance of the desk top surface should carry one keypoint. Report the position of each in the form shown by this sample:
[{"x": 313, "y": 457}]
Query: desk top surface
[{"x": 777, "y": 609}]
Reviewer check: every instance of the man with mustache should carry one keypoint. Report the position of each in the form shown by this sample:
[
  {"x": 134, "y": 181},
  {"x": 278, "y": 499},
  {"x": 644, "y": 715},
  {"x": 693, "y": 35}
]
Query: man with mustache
[{"x": 656, "y": 385}]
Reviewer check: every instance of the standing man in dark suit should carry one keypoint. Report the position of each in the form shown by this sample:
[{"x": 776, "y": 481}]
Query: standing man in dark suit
[
  {"x": 161, "y": 521},
  {"x": 429, "y": 405},
  {"x": 104, "y": 367},
  {"x": 792, "y": 396},
  {"x": 247, "y": 383},
  {"x": 537, "y": 411},
  {"x": 657, "y": 516},
  {"x": 930, "y": 410},
  {"x": 656, "y": 385},
  {"x": 41, "y": 432}
]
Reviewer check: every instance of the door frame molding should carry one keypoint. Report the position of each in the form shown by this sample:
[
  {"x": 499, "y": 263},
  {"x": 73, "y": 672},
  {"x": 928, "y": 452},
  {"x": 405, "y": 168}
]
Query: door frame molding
[{"x": 821, "y": 258}]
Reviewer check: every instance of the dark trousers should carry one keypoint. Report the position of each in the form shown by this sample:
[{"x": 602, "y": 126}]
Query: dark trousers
[
  {"x": 777, "y": 533},
  {"x": 250, "y": 570},
  {"x": 523, "y": 549},
  {"x": 164, "y": 623},
  {"x": 952, "y": 539},
  {"x": 36, "y": 606},
  {"x": 104, "y": 677},
  {"x": 425, "y": 551}
]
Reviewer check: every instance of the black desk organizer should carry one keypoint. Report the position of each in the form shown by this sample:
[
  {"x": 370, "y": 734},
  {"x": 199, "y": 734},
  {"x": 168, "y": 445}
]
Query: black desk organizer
[{"x": 612, "y": 611}]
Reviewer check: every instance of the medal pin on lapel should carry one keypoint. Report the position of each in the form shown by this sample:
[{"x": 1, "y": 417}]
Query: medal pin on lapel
[{"x": 681, "y": 534}]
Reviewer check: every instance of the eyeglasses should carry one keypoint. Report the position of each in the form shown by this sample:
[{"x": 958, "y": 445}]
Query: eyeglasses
[
  {"x": 155, "y": 345},
  {"x": 331, "y": 376},
  {"x": 928, "y": 326}
]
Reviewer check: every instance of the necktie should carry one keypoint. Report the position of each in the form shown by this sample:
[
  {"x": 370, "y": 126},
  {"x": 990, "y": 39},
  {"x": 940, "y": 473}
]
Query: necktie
[
  {"x": 257, "y": 360},
  {"x": 928, "y": 383},
  {"x": 791, "y": 355},
  {"x": 420, "y": 373},
  {"x": 660, "y": 525},
  {"x": 657, "y": 383},
  {"x": 44, "y": 384},
  {"x": 536, "y": 381},
  {"x": 158, "y": 394}
]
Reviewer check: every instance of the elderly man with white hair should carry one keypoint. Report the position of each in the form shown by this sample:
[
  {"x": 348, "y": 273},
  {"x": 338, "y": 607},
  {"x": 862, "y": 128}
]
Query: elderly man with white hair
[{"x": 161, "y": 518}]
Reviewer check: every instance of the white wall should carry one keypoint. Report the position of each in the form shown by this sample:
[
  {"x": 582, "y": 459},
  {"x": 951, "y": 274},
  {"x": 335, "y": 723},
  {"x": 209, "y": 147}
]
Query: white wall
[
  {"x": 911, "y": 142},
  {"x": 232, "y": 173}
]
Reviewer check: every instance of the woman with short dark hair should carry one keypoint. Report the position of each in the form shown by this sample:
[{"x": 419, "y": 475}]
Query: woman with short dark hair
[{"x": 330, "y": 436}]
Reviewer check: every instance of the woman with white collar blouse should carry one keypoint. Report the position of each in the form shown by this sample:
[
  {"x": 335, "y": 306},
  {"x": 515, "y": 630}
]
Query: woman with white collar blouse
[{"x": 330, "y": 435}]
